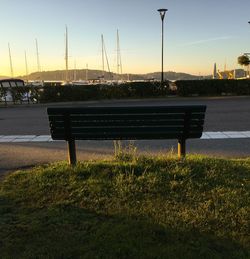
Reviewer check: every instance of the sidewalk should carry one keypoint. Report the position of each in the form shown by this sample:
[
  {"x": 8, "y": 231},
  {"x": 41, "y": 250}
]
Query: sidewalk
[{"x": 47, "y": 138}]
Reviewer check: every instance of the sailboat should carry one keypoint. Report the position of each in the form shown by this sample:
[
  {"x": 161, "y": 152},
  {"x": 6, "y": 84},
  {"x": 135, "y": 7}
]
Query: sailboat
[
  {"x": 37, "y": 82},
  {"x": 66, "y": 81},
  {"x": 118, "y": 60},
  {"x": 104, "y": 55},
  {"x": 79, "y": 82}
]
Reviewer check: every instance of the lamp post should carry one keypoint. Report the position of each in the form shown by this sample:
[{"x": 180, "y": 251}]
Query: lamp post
[
  {"x": 162, "y": 14},
  {"x": 248, "y": 64}
]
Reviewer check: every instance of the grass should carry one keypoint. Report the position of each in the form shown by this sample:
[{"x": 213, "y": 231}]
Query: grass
[{"x": 128, "y": 208}]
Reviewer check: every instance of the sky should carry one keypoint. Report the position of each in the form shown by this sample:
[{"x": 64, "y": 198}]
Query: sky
[{"x": 197, "y": 33}]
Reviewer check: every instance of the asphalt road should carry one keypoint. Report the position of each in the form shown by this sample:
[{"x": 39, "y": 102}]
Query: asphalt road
[{"x": 223, "y": 114}]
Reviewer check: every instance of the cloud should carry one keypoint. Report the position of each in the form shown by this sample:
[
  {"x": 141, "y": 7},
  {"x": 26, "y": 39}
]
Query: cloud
[{"x": 206, "y": 40}]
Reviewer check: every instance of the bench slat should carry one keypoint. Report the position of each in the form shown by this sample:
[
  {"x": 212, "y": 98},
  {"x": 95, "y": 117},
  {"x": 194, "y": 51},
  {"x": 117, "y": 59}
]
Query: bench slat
[
  {"x": 132, "y": 136},
  {"x": 117, "y": 117},
  {"x": 59, "y": 124},
  {"x": 143, "y": 132},
  {"x": 129, "y": 109}
]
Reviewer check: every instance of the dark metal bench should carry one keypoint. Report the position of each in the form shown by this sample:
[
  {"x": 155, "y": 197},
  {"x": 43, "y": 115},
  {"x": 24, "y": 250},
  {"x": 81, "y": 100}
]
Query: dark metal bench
[{"x": 132, "y": 122}]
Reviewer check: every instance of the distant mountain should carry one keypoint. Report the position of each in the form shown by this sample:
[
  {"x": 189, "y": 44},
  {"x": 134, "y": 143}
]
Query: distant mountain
[
  {"x": 80, "y": 74},
  {"x": 173, "y": 76},
  {"x": 3, "y": 77}
]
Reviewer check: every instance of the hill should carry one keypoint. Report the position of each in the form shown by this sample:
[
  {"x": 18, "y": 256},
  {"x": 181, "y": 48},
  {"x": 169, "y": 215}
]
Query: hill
[
  {"x": 81, "y": 74},
  {"x": 3, "y": 77},
  {"x": 173, "y": 76}
]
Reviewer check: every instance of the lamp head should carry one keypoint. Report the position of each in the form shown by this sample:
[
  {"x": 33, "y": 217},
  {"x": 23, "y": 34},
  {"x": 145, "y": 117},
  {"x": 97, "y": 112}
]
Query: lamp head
[{"x": 162, "y": 13}]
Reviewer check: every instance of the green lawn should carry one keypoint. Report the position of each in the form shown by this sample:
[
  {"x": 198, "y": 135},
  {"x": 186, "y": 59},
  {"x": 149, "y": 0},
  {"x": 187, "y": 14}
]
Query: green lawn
[{"x": 139, "y": 208}]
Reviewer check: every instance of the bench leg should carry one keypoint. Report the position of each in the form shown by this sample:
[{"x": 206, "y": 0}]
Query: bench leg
[
  {"x": 181, "y": 148},
  {"x": 71, "y": 152}
]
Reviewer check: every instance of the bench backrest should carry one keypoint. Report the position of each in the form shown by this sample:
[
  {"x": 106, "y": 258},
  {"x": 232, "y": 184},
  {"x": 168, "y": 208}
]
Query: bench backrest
[{"x": 132, "y": 122}]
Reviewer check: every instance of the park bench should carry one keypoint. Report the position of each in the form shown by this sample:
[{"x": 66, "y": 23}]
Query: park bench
[{"x": 126, "y": 123}]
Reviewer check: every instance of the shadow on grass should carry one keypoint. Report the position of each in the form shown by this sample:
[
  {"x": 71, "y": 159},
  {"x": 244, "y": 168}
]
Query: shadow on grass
[{"x": 66, "y": 231}]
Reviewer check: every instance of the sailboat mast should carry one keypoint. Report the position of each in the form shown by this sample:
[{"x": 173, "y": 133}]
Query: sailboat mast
[
  {"x": 117, "y": 54},
  {"x": 37, "y": 58},
  {"x": 66, "y": 55},
  {"x": 119, "y": 59},
  {"x": 11, "y": 67},
  {"x": 75, "y": 71},
  {"x": 102, "y": 56},
  {"x": 106, "y": 57},
  {"x": 26, "y": 66},
  {"x": 87, "y": 72}
]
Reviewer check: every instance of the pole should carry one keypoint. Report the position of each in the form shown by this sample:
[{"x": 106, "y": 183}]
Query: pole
[
  {"x": 248, "y": 64},
  {"x": 75, "y": 71},
  {"x": 102, "y": 57},
  {"x": 87, "y": 72},
  {"x": 106, "y": 56},
  {"x": 162, "y": 47},
  {"x": 117, "y": 53},
  {"x": 11, "y": 66},
  {"x": 66, "y": 55},
  {"x": 162, "y": 14},
  {"x": 26, "y": 66},
  {"x": 37, "y": 58}
]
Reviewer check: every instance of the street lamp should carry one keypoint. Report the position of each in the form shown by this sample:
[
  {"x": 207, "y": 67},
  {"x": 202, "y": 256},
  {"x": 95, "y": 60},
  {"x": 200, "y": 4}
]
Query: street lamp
[{"x": 162, "y": 14}]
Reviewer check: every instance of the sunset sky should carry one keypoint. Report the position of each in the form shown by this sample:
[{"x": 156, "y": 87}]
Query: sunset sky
[{"x": 197, "y": 34}]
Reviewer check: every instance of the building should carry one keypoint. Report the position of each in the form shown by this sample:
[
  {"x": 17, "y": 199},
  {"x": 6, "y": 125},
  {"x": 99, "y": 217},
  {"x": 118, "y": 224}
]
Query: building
[{"x": 229, "y": 74}]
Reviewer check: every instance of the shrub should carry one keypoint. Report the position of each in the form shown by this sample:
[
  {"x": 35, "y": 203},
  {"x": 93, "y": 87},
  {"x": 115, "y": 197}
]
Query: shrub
[
  {"x": 94, "y": 92},
  {"x": 213, "y": 87}
]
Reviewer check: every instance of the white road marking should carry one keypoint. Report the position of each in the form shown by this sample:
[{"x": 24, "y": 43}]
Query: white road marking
[
  {"x": 215, "y": 135},
  {"x": 42, "y": 138},
  {"x": 47, "y": 138}
]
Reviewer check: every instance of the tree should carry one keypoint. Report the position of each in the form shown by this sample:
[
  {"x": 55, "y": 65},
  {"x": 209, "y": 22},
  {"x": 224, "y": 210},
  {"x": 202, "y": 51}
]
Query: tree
[{"x": 243, "y": 60}]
